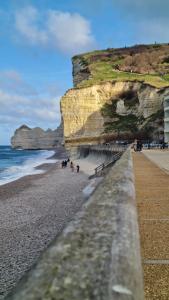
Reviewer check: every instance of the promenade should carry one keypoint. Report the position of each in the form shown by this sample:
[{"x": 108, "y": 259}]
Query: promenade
[{"x": 152, "y": 194}]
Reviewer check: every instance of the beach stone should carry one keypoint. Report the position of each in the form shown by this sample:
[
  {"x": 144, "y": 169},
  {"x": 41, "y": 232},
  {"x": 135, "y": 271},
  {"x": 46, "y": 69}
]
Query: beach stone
[{"x": 33, "y": 211}]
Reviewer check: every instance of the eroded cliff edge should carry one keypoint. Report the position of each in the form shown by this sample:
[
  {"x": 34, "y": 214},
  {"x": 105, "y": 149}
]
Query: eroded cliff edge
[{"x": 117, "y": 94}]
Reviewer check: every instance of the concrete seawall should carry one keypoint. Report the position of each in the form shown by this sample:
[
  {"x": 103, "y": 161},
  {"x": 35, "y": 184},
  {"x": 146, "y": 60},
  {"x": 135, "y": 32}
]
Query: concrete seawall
[
  {"x": 100, "y": 151},
  {"x": 98, "y": 255},
  {"x": 93, "y": 157}
]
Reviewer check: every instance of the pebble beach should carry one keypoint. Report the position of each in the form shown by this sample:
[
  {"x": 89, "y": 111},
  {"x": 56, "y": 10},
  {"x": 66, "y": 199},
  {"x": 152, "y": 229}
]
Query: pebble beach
[{"x": 33, "y": 211}]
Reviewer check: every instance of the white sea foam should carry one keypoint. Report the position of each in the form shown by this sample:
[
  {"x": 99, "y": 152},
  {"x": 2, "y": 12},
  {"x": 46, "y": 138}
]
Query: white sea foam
[{"x": 27, "y": 168}]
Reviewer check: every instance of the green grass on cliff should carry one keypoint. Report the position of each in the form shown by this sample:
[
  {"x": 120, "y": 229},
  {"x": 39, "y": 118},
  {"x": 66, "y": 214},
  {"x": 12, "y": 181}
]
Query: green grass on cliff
[
  {"x": 103, "y": 71},
  {"x": 148, "y": 64}
]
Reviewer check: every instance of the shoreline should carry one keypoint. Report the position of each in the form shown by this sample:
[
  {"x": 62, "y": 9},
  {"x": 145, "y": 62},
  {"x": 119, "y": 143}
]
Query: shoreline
[
  {"x": 59, "y": 154},
  {"x": 21, "y": 183}
]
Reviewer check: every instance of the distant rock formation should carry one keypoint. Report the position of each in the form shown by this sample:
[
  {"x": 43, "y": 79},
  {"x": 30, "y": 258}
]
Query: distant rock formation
[{"x": 36, "y": 138}]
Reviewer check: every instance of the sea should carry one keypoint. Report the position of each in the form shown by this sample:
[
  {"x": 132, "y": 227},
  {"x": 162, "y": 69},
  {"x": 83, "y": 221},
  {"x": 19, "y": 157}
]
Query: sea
[{"x": 15, "y": 164}]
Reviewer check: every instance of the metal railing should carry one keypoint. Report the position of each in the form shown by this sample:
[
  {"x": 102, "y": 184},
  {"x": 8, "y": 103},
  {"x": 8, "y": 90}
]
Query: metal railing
[
  {"x": 101, "y": 167},
  {"x": 155, "y": 146},
  {"x": 111, "y": 150}
]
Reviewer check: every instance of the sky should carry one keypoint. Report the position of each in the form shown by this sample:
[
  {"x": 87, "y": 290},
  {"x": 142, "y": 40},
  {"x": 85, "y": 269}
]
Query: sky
[{"x": 39, "y": 37}]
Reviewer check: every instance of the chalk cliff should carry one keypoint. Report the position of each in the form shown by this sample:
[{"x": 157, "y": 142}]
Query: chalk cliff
[
  {"x": 118, "y": 109},
  {"x": 36, "y": 138},
  {"x": 109, "y": 100}
]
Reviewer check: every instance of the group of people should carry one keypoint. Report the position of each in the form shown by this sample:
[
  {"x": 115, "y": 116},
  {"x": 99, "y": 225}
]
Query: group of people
[
  {"x": 138, "y": 146},
  {"x": 64, "y": 164}
]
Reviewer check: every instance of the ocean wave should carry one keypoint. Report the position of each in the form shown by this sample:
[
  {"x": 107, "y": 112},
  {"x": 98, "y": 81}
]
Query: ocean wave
[{"x": 27, "y": 168}]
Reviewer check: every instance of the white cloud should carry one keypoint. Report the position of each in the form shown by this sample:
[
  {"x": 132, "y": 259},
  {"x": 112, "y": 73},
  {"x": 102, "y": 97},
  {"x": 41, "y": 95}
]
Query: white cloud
[
  {"x": 19, "y": 108},
  {"x": 26, "y": 22},
  {"x": 12, "y": 81},
  {"x": 68, "y": 32},
  {"x": 7, "y": 99},
  {"x": 45, "y": 114}
]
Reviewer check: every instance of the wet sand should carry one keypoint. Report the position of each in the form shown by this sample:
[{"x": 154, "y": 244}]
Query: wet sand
[{"x": 33, "y": 211}]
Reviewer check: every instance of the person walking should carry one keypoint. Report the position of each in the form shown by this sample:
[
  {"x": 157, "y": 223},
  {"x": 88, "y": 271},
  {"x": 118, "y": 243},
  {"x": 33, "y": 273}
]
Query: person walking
[
  {"x": 72, "y": 166},
  {"x": 139, "y": 146},
  {"x": 135, "y": 145},
  {"x": 77, "y": 168}
]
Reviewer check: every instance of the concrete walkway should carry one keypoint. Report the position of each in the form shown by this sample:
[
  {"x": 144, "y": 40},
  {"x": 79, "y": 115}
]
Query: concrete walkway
[
  {"x": 159, "y": 157},
  {"x": 152, "y": 193}
]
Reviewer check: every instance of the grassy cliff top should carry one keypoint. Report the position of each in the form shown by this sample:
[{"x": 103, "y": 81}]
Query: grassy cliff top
[{"x": 145, "y": 63}]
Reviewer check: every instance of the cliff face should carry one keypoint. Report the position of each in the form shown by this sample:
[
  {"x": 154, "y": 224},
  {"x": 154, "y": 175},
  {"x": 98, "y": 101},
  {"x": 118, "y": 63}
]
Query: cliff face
[
  {"x": 36, "y": 138},
  {"x": 119, "y": 110},
  {"x": 117, "y": 94},
  {"x": 80, "y": 71}
]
